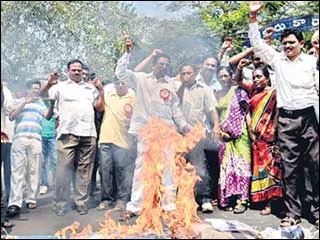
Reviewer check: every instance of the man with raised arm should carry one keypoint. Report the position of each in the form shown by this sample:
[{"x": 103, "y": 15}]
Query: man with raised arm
[
  {"x": 297, "y": 84},
  {"x": 155, "y": 97}
]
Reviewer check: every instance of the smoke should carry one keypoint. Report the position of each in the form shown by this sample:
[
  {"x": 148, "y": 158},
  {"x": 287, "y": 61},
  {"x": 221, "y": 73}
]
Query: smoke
[{"x": 38, "y": 37}]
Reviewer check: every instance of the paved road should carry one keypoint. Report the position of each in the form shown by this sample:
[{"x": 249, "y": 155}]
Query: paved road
[{"x": 43, "y": 222}]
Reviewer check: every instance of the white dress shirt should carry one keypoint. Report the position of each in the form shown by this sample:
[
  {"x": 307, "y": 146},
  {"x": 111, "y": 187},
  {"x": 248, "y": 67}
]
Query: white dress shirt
[{"x": 297, "y": 82}]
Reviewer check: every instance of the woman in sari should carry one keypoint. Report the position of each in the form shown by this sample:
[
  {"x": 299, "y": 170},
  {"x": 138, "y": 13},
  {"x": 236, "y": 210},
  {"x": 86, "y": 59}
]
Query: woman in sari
[
  {"x": 266, "y": 175},
  {"x": 234, "y": 149}
]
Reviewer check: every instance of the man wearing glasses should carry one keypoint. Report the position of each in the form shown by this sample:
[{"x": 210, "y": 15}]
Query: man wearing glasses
[{"x": 297, "y": 84}]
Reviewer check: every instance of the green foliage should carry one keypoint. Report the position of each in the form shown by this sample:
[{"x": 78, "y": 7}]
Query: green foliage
[{"x": 230, "y": 18}]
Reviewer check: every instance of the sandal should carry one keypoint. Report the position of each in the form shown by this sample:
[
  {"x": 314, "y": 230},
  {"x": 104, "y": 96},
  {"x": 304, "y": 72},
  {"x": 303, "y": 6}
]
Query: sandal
[
  {"x": 241, "y": 207},
  {"x": 288, "y": 222},
  {"x": 104, "y": 205},
  {"x": 214, "y": 202},
  {"x": 31, "y": 205},
  {"x": 126, "y": 216},
  {"x": 266, "y": 211}
]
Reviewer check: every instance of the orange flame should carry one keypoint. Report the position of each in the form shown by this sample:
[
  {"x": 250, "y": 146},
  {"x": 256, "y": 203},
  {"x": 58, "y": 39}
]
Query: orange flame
[{"x": 159, "y": 137}]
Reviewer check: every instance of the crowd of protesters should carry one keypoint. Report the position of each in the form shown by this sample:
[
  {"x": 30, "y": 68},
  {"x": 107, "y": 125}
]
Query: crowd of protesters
[{"x": 259, "y": 109}]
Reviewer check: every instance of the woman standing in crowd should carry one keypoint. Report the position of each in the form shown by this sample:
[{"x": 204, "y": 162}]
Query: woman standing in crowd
[
  {"x": 234, "y": 150},
  {"x": 266, "y": 174}
]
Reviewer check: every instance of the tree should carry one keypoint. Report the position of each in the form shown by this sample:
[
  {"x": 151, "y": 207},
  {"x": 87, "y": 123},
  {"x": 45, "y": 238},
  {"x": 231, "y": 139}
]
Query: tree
[
  {"x": 230, "y": 18},
  {"x": 42, "y": 36}
]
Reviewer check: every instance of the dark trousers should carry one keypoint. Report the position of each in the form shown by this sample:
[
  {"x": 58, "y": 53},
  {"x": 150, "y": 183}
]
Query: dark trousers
[
  {"x": 299, "y": 143},
  {"x": 6, "y": 159},
  {"x": 71, "y": 149},
  {"x": 212, "y": 157},
  {"x": 116, "y": 168},
  {"x": 198, "y": 159}
]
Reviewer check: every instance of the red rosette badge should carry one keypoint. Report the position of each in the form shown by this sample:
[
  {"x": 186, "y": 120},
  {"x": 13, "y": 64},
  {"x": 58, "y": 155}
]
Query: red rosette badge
[
  {"x": 128, "y": 110},
  {"x": 165, "y": 94}
]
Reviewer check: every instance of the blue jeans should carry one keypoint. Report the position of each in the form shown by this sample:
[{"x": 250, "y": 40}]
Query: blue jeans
[
  {"x": 116, "y": 167},
  {"x": 49, "y": 159}
]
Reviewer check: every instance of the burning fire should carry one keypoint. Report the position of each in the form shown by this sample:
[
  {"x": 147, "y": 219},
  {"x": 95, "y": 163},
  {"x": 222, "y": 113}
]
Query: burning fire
[{"x": 158, "y": 137}]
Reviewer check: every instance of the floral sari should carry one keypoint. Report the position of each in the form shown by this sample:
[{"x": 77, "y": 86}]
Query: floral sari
[{"x": 235, "y": 154}]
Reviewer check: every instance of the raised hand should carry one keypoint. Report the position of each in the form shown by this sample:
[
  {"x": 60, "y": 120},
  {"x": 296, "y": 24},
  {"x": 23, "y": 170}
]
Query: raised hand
[
  {"x": 255, "y": 6},
  {"x": 155, "y": 52},
  {"x": 268, "y": 32},
  {"x": 129, "y": 45},
  {"x": 4, "y": 137},
  {"x": 243, "y": 62},
  {"x": 53, "y": 78}
]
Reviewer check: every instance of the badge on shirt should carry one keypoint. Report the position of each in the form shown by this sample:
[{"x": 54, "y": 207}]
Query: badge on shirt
[
  {"x": 165, "y": 94},
  {"x": 128, "y": 110}
]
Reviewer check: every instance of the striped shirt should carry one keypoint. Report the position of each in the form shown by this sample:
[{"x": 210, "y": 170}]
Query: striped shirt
[{"x": 28, "y": 122}]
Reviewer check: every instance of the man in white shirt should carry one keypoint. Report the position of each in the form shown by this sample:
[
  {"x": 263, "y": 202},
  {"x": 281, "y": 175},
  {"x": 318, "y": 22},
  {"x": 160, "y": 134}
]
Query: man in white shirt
[
  {"x": 297, "y": 84},
  {"x": 155, "y": 97},
  {"x": 76, "y": 135}
]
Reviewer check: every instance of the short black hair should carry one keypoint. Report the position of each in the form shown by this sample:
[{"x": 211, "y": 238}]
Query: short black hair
[
  {"x": 188, "y": 65},
  {"x": 292, "y": 31},
  {"x": 74, "y": 61},
  {"x": 207, "y": 57},
  {"x": 92, "y": 76},
  {"x": 162, "y": 55},
  {"x": 31, "y": 82},
  {"x": 228, "y": 69},
  {"x": 85, "y": 67},
  {"x": 264, "y": 69}
]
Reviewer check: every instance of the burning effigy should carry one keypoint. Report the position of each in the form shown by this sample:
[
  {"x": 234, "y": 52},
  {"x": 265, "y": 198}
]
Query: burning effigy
[{"x": 158, "y": 136}]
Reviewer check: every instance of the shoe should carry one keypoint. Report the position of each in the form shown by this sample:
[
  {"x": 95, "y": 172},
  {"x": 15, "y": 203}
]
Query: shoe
[
  {"x": 288, "y": 221},
  {"x": 43, "y": 190},
  {"x": 82, "y": 210},
  {"x": 207, "y": 207},
  {"x": 127, "y": 215},
  {"x": 13, "y": 211},
  {"x": 32, "y": 205}
]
